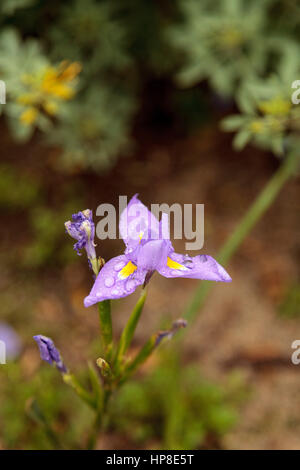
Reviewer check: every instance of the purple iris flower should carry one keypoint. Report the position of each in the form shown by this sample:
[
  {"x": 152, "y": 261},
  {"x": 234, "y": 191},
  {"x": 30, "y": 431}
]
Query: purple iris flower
[
  {"x": 148, "y": 249},
  {"x": 82, "y": 228},
  {"x": 49, "y": 352}
]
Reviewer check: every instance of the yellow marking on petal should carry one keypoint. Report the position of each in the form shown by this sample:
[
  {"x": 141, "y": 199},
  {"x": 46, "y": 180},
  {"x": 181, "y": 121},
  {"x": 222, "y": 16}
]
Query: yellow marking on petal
[
  {"x": 141, "y": 236},
  {"x": 127, "y": 270},
  {"x": 174, "y": 265}
]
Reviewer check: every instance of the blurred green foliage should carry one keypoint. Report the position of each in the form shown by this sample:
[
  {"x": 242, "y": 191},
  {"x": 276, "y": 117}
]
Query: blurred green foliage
[
  {"x": 60, "y": 406},
  {"x": 223, "y": 42},
  {"x": 122, "y": 47},
  {"x": 200, "y": 411},
  {"x": 45, "y": 223},
  {"x": 290, "y": 305},
  {"x": 25, "y": 189},
  {"x": 268, "y": 116},
  {"x": 47, "y": 238},
  {"x": 175, "y": 406},
  {"x": 8, "y": 7}
]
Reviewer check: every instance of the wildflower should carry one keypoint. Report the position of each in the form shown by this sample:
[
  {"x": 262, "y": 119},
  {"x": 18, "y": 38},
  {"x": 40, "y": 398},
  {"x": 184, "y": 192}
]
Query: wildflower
[
  {"x": 49, "y": 352},
  {"x": 257, "y": 126},
  {"x": 230, "y": 38},
  {"x": 56, "y": 81},
  {"x": 276, "y": 106},
  {"x": 45, "y": 88},
  {"x": 148, "y": 249},
  {"x": 82, "y": 228},
  {"x": 29, "y": 116}
]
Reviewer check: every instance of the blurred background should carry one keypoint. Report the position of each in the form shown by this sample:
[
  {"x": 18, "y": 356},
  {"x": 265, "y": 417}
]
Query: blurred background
[{"x": 115, "y": 98}]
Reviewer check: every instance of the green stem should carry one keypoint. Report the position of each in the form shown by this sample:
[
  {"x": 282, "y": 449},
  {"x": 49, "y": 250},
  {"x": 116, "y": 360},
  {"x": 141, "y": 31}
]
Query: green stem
[
  {"x": 92, "y": 440},
  {"x": 71, "y": 380},
  {"x": 256, "y": 211},
  {"x": 128, "y": 332},
  {"x": 99, "y": 423},
  {"x": 35, "y": 412},
  {"x": 105, "y": 327}
]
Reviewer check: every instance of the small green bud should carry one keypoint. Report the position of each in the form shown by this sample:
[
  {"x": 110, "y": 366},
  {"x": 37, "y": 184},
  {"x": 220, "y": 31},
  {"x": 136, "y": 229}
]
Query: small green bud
[{"x": 104, "y": 367}]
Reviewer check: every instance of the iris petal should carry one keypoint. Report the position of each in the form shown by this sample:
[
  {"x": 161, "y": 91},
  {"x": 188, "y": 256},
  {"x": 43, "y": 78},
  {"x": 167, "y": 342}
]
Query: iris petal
[
  {"x": 199, "y": 267},
  {"x": 137, "y": 223},
  {"x": 109, "y": 284}
]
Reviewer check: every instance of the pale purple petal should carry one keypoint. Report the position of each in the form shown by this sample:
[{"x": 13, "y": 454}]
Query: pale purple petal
[
  {"x": 82, "y": 228},
  {"x": 198, "y": 267},
  {"x": 11, "y": 340},
  {"x": 153, "y": 255},
  {"x": 137, "y": 222},
  {"x": 111, "y": 284}
]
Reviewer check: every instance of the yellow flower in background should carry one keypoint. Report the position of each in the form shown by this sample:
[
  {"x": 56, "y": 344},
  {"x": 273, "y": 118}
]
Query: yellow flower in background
[
  {"x": 275, "y": 106},
  {"x": 257, "y": 126},
  {"x": 46, "y": 89},
  {"x": 231, "y": 38},
  {"x": 29, "y": 116},
  {"x": 58, "y": 81},
  {"x": 51, "y": 107}
]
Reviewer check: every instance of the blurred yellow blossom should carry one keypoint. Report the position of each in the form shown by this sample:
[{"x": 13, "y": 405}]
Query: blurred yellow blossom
[
  {"x": 29, "y": 116},
  {"x": 275, "y": 106},
  {"x": 51, "y": 107},
  {"x": 257, "y": 126},
  {"x": 46, "y": 88},
  {"x": 231, "y": 38}
]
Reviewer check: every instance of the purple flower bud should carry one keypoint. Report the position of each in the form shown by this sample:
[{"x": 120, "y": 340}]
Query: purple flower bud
[
  {"x": 49, "y": 352},
  {"x": 180, "y": 323},
  {"x": 82, "y": 229}
]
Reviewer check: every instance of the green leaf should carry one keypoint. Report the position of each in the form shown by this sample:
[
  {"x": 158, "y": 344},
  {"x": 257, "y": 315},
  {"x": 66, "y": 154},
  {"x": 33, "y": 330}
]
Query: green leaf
[
  {"x": 130, "y": 327},
  {"x": 36, "y": 414},
  {"x": 232, "y": 123},
  {"x": 245, "y": 101},
  {"x": 241, "y": 139}
]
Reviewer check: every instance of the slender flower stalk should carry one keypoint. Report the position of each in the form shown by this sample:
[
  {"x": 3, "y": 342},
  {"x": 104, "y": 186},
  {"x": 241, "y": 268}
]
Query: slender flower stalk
[
  {"x": 261, "y": 204},
  {"x": 106, "y": 332},
  {"x": 149, "y": 347}
]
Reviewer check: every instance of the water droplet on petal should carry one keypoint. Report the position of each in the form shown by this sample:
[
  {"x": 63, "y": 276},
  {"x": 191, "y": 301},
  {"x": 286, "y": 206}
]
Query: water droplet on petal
[
  {"x": 188, "y": 262},
  {"x": 116, "y": 291},
  {"x": 109, "y": 281},
  {"x": 119, "y": 266},
  {"x": 130, "y": 285}
]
